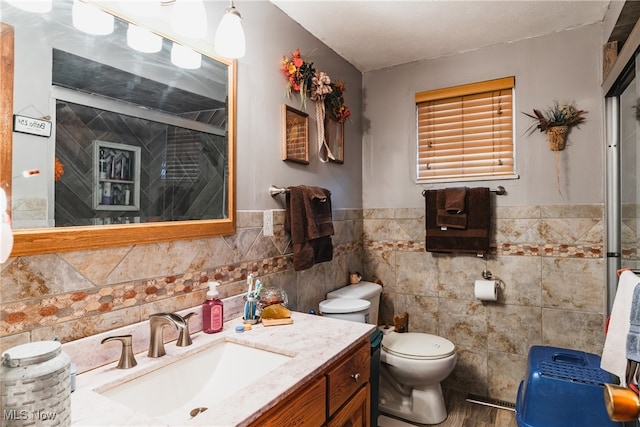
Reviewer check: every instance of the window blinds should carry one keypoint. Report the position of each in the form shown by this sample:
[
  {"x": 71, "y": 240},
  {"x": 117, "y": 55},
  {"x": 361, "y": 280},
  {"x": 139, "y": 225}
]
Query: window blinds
[{"x": 466, "y": 132}]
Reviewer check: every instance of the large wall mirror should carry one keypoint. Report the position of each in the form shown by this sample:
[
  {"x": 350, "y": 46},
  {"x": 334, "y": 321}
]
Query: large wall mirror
[{"x": 110, "y": 145}]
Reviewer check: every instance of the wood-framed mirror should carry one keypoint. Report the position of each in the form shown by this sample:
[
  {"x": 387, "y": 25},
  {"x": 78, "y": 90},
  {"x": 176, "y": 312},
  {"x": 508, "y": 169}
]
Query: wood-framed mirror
[{"x": 207, "y": 126}]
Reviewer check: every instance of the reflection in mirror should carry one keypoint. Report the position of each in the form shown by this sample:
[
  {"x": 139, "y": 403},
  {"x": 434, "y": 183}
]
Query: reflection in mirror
[
  {"x": 175, "y": 116},
  {"x": 135, "y": 139}
]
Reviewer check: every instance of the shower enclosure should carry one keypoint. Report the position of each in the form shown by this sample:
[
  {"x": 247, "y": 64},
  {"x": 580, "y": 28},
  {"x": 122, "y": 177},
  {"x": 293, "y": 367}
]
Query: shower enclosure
[{"x": 622, "y": 102}]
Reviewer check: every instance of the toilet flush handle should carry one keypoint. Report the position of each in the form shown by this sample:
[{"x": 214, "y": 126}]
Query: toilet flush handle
[{"x": 356, "y": 377}]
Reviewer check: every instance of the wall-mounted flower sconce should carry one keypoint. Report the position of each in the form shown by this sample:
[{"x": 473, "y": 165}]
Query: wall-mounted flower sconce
[{"x": 556, "y": 121}]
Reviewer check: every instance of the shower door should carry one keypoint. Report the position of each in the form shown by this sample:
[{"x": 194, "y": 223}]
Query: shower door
[
  {"x": 623, "y": 164},
  {"x": 629, "y": 166}
]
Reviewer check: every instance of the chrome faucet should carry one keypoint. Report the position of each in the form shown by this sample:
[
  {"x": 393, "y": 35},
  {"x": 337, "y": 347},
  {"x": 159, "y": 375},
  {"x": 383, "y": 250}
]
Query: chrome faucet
[{"x": 157, "y": 322}]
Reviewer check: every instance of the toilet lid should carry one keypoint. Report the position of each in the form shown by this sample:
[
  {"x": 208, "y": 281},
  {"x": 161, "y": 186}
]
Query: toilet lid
[
  {"x": 363, "y": 290},
  {"x": 344, "y": 305},
  {"x": 416, "y": 345}
]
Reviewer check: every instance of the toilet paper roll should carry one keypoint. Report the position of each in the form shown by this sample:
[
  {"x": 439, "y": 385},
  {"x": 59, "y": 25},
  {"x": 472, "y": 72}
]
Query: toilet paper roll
[{"x": 486, "y": 290}]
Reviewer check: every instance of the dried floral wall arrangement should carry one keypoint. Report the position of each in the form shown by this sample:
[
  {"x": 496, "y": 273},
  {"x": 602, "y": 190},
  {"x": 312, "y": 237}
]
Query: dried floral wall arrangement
[
  {"x": 556, "y": 121},
  {"x": 303, "y": 78}
]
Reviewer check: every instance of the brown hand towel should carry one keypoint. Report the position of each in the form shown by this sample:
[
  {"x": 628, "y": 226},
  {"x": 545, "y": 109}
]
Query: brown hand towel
[
  {"x": 451, "y": 205},
  {"x": 309, "y": 222},
  {"x": 455, "y": 200}
]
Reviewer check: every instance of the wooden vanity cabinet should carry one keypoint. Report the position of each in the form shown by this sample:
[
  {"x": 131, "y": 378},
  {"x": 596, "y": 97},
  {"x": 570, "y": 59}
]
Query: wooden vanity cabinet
[
  {"x": 337, "y": 397},
  {"x": 346, "y": 377},
  {"x": 306, "y": 408},
  {"x": 355, "y": 413}
]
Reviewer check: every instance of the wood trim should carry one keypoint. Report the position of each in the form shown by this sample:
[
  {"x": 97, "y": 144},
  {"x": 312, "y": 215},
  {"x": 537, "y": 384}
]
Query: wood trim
[
  {"x": 51, "y": 240},
  {"x": 468, "y": 89},
  {"x": 6, "y": 107}
]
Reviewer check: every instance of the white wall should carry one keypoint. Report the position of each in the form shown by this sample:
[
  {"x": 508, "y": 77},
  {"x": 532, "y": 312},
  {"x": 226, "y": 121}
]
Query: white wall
[{"x": 564, "y": 66}]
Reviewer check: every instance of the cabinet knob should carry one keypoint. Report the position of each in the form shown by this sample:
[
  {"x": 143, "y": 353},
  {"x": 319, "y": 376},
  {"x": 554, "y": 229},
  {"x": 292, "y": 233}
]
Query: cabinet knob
[{"x": 356, "y": 377}]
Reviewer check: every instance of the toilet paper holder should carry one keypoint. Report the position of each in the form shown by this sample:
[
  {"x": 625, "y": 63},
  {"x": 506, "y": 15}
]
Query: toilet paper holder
[{"x": 486, "y": 275}]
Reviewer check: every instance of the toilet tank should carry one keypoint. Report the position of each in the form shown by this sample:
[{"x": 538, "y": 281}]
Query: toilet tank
[{"x": 364, "y": 290}]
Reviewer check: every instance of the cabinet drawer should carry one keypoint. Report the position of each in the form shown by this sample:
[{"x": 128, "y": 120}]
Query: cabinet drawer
[
  {"x": 347, "y": 377},
  {"x": 307, "y": 408},
  {"x": 355, "y": 413}
]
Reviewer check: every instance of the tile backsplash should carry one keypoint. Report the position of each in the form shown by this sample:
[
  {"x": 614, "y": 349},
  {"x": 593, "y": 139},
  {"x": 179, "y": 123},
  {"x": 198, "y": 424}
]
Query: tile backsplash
[
  {"x": 550, "y": 259},
  {"x": 71, "y": 295}
]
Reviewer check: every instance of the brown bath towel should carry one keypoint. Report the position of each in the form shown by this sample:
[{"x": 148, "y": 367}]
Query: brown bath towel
[
  {"x": 474, "y": 239},
  {"x": 308, "y": 220}
]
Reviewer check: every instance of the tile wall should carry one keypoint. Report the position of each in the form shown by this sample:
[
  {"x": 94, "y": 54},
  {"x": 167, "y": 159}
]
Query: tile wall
[
  {"x": 550, "y": 259},
  {"x": 71, "y": 295}
]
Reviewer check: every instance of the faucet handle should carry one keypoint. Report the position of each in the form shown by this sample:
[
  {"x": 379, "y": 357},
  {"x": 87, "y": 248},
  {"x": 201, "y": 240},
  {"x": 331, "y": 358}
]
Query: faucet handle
[
  {"x": 127, "y": 359},
  {"x": 184, "y": 337}
]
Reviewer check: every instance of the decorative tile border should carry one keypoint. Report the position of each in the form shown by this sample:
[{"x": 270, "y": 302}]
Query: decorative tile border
[
  {"x": 552, "y": 250},
  {"x": 504, "y": 249}
]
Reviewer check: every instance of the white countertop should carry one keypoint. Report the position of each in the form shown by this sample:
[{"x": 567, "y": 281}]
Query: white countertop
[{"x": 314, "y": 342}]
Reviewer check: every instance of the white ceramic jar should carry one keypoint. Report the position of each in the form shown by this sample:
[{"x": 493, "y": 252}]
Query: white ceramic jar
[{"x": 36, "y": 385}]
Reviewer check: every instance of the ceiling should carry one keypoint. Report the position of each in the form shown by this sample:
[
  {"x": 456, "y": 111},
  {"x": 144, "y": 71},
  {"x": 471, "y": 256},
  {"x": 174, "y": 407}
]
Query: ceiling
[{"x": 377, "y": 34}]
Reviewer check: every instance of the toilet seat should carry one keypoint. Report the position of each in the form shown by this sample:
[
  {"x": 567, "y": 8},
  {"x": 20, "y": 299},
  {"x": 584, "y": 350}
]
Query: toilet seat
[{"x": 417, "y": 346}]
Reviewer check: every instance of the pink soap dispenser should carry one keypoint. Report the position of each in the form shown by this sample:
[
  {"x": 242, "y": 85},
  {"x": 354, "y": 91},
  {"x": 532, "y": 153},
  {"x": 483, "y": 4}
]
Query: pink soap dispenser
[{"x": 212, "y": 311}]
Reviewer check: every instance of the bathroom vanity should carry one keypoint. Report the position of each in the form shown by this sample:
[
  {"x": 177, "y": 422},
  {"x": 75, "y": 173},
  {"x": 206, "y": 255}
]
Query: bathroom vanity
[
  {"x": 338, "y": 396},
  {"x": 314, "y": 371}
]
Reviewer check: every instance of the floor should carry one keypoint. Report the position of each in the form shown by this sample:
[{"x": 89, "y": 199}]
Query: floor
[{"x": 463, "y": 414}]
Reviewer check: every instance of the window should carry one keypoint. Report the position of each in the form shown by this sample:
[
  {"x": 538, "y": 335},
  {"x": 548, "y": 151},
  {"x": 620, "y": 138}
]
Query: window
[{"x": 466, "y": 132}]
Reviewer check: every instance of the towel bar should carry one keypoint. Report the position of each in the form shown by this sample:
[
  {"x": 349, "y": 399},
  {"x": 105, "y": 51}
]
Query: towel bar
[
  {"x": 274, "y": 191},
  {"x": 499, "y": 190}
]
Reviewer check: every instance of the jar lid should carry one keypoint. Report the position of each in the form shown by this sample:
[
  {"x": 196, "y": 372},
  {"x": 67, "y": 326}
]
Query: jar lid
[{"x": 31, "y": 353}]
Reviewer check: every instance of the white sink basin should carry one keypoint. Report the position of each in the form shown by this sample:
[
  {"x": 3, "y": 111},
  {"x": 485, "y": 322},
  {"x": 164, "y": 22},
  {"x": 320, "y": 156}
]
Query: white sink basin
[{"x": 176, "y": 392}]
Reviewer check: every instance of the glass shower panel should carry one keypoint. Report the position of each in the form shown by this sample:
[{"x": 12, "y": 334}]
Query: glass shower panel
[{"x": 629, "y": 167}]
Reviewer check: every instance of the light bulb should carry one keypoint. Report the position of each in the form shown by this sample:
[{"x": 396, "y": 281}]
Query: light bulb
[
  {"x": 230, "y": 41},
  {"x": 90, "y": 19},
  {"x": 143, "y": 40},
  {"x": 185, "y": 58}
]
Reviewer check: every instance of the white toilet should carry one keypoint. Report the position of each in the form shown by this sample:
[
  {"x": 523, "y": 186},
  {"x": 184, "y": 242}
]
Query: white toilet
[
  {"x": 358, "y": 303},
  {"x": 413, "y": 364}
]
